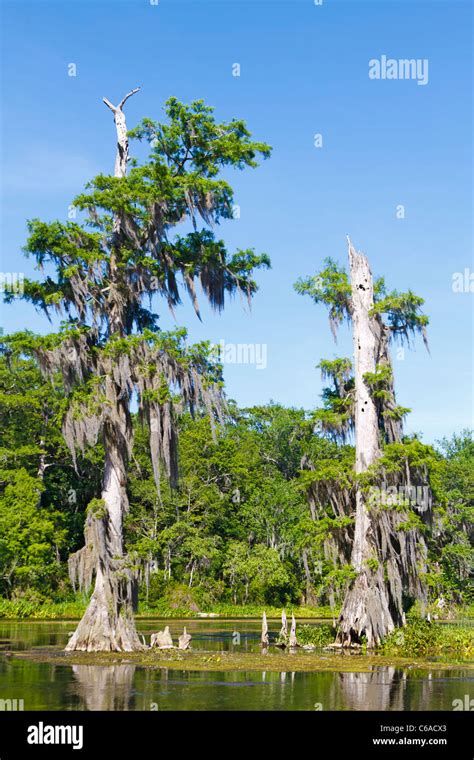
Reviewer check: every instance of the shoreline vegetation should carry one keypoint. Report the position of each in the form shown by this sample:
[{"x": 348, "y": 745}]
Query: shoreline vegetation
[
  {"x": 22, "y": 609},
  {"x": 73, "y": 610}
]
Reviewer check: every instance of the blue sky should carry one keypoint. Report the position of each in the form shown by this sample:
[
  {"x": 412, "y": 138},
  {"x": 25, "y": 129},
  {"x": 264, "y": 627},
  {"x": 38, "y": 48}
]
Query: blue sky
[{"x": 304, "y": 70}]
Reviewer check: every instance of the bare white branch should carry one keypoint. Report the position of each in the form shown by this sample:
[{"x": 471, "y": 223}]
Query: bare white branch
[
  {"x": 127, "y": 96},
  {"x": 109, "y": 105}
]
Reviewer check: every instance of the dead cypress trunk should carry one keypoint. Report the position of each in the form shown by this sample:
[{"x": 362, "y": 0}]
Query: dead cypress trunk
[
  {"x": 264, "y": 636},
  {"x": 366, "y": 609},
  {"x": 108, "y": 623}
]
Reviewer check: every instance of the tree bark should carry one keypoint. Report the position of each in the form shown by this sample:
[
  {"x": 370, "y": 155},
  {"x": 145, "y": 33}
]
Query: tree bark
[
  {"x": 184, "y": 640},
  {"x": 108, "y": 623},
  {"x": 293, "y": 641},
  {"x": 121, "y": 158},
  {"x": 310, "y": 596},
  {"x": 365, "y": 357},
  {"x": 162, "y": 639},
  {"x": 365, "y": 610},
  {"x": 283, "y": 636},
  {"x": 264, "y": 635}
]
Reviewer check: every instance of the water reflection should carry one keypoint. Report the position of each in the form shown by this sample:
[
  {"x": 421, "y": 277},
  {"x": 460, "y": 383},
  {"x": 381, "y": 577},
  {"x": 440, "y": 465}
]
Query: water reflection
[
  {"x": 214, "y": 635},
  {"x": 382, "y": 689},
  {"x": 104, "y": 687},
  {"x": 125, "y": 686}
]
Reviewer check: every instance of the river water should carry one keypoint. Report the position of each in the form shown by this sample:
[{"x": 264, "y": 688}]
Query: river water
[{"x": 49, "y": 686}]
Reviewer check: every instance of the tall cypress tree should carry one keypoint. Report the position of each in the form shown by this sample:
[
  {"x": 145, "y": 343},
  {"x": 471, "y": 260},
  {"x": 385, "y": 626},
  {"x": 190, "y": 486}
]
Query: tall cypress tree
[
  {"x": 387, "y": 547},
  {"x": 98, "y": 274}
]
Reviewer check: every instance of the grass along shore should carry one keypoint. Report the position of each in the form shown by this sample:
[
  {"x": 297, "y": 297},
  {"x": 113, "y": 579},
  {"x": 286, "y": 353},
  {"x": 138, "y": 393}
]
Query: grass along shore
[{"x": 73, "y": 610}]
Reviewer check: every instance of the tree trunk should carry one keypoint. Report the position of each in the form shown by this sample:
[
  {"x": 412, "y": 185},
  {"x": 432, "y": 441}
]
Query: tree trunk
[
  {"x": 121, "y": 159},
  {"x": 264, "y": 641},
  {"x": 108, "y": 623},
  {"x": 310, "y": 596},
  {"x": 391, "y": 427},
  {"x": 365, "y": 610},
  {"x": 293, "y": 641}
]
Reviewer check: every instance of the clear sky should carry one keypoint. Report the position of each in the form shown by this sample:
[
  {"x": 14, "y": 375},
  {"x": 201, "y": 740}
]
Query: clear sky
[{"x": 303, "y": 71}]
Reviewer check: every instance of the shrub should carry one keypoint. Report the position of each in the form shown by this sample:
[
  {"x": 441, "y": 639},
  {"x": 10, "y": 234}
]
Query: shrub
[
  {"x": 315, "y": 635},
  {"x": 421, "y": 638}
]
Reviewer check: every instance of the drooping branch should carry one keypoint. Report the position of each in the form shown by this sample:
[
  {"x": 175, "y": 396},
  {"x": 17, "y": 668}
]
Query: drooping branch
[
  {"x": 336, "y": 418},
  {"x": 330, "y": 287}
]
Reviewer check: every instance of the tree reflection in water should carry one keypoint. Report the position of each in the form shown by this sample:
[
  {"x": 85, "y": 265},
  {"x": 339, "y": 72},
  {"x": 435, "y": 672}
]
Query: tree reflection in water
[
  {"x": 105, "y": 687},
  {"x": 383, "y": 689}
]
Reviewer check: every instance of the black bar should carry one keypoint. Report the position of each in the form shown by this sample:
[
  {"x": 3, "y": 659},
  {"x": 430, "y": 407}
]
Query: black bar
[{"x": 113, "y": 735}]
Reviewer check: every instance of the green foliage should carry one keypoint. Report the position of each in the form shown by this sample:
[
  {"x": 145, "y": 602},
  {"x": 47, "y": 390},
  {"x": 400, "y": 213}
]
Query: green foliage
[
  {"x": 330, "y": 287},
  {"x": 379, "y": 380},
  {"x": 380, "y": 384},
  {"x": 318, "y": 636},
  {"x": 237, "y": 528},
  {"x": 42, "y": 497},
  {"x": 421, "y": 638},
  {"x": 256, "y": 573},
  {"x": 403, "y": 311},
  {"x": 338, "y": 370},
  {"x": 237, "y": 525},
  {"x": 98, "y": 275},
  {"x": 40, "y": 609},
  {"x": 452, "y": 573},
  {"x": 97, "y": 509},
  {"x": 29, "y": 536},
  {"x": 373, "y": 564},
  {"x": 178, "y": 181},
  {"x": 192, "y": 142},
  {"x": 229, "y": 528}
]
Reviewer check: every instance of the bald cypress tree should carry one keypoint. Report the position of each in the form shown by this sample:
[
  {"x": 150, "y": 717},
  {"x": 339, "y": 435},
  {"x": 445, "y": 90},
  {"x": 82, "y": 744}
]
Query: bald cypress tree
[
  {"x": 100, "y": 275},
  {"x": 388, "y": 550}
]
